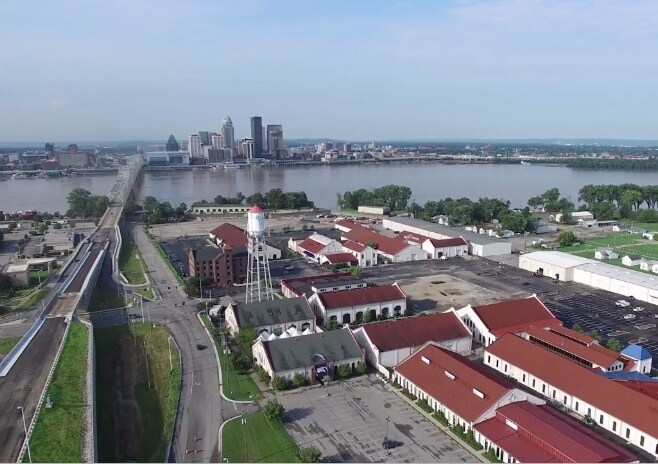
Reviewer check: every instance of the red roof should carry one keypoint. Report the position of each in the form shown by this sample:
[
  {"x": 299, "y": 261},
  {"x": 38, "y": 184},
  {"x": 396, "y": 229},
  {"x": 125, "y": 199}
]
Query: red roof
[
  {"x": 602, "y": 393},
  {"x": 311, "y": 246},
  {"x": 354, "y": 246},
  {"x": 594, "y": 353},
  {"x": 455, "y": 392},
  {"x": 447, "y": 242},
  {"x": 335, "y": 258},
  {"x": 545, "y": 435},
  {"x": 231, "y": 235},
  {"x": 287, "y": 282},
  {"x": 412, "y": 236},
  {"x": 347, "y": 224},
  {"x": 255, "y": 209},
  {"x": 388, "y": 245},
  {"x": 648, "y": 388},
  {"x": 361, "y": 296},
  {"x": 415, "y": 331},
  {"x": 572, "y": 334},
  {"x": 515, "y": 315}
]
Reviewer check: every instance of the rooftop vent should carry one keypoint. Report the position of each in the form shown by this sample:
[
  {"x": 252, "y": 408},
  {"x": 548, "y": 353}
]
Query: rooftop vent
[
  {"x": 478, "y": 393},
  {"x": 424, "y": 359},
  {"x": 449, "y": 375}
]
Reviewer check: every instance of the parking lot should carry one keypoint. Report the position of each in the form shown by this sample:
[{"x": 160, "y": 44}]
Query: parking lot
[{"x": 347, "y": 421}]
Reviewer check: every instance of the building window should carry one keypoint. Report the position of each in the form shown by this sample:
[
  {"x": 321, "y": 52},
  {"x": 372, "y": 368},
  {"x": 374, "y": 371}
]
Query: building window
[
  {"x": 496, "y": 363},
  {"x": 505, "y": 368},
  {"x": 614, "y": 426},
  {"x": 589, "y": 412},
  {"x": 628, "y": 432},
  {"x": 565, "y": 399},
  {"x": 533, "y": 383},
  {"x": 523, "y": 377},
  {"x": 543, "y": 388},
  {"x": 489, "y": 359},
  {"x": 576, "y": 405},
  {"x": 553, "y": 394},
  {"x": 642, "y": 442},
  {"x": 601, "y": 419}
]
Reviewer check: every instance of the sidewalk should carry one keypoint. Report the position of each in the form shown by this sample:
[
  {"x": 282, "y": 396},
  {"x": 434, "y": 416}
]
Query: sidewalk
[{"x": 479, "y": 455}]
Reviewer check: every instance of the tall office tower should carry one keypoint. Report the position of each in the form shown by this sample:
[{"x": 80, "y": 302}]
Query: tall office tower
[
  {"x": 50, "y": 151},
  {"x": 172, "y": 144},
  {"x": 228, "y": 135},
  {"x": 259, "y": 280},
  {"x": 248, "y": 148},
  {"x": 275, "y": 140},
  {"x": 264, "y": 142},
  {"x": 194, "y": 146},
  {"x": 216, "y": 141},
  {"x": 257, "y": 135},
  {"x": 205, "y": 137}
]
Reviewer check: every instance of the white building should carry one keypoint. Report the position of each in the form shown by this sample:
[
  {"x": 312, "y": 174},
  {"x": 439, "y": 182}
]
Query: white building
[
  {"x": 478, "y": 245},
  {"x": 217, "y": 141},
  {"x": 271, "y": 317},
  {"x": 489, "y": 322},
  {"x": 621, "y": 410},
  {"x": 643, "y": 359},
  {"x": 315, "y": 247},
  {"x": 631, "y": 260},
  {"x": 615, "y": 279},
  {"x": 394, "y": 249},
  {"x": 366, "y": 255},
  {"x": 388, "y": 343},
  {"x": 247, "y": 148},
  {"x": 605, "y": 253},
  {"x": 220, "y": 209},
  {"x": 553, "y": 264},
  {"x": 349, "y": 306},
  {"x": 194, "y": 146},
  {"x": 648, "y": 265},
  {"x": 315, "y": 356},
  {"x": 167, "y": 158},
  {"x": 445, "y": 248},
  {"x": 380, "y": 210},
  {"x": 577, "y": 216}
]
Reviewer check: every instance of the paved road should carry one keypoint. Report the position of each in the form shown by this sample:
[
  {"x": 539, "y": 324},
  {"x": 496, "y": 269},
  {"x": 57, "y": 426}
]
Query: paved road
[
  {"x": 200, "y": 409},
  {"x": 23, "y": 385}
]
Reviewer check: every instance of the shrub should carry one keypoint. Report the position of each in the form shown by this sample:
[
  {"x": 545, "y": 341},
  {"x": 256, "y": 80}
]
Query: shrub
[
  {"x": 407, "y": 312},
  {"x": 424, "y": 405},
  {"x": 262, "y": 374},
  {"x": 305, "y": 227},
  {"x": 344, "y": 371},
  {"x": 274, "y": 410},
  {"x": 441, "y": 418},
  {"x": 279, "y": 383},
  {"x": 468, "y": 437},
  {"x": 491, "y": 456},
  {"x": 361, "y": 368},
  {"x": 408, "y": 394},
  {"x": 298, "y": 380},
  {"x": 308, "y": 454},
  {"x": 240, "y": 364}
]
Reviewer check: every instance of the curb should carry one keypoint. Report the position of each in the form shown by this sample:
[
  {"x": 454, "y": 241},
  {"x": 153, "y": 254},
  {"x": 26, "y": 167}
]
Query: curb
[{"x": 219, "y": 435}]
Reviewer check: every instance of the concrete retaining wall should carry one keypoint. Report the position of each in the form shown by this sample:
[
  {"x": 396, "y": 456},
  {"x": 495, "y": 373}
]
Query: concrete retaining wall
[
  {"x": 89, "y": 440},
  {"x": 90, "y": 282}
]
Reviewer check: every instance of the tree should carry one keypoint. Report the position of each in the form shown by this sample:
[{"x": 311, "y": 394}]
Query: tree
[
  {"x": 192, "y": 286},
  {"x": 356, "y": 271},
  {"x": 577, "y": 328},
  {"x": 332, "y": 325},
  {"x": 298, "y": 380},
  {"x": 613, "y": 344},
  {"x": 594, "y": 334},
  {"x": 244, "y": 341},
  {"x": 308, "y": 454},
  {"x": 367, "y": 316},
  {"x": 372, "y": 244},
  {"x": 56, "y": 226},
  {"x": 5, "y": 282},
  {"x": 407, "y": 312},
  {"x": 344, "y": 371},
  {"x": 361, "y": 368},
  {"x": 279, "y": 383},
  {"x": 566, "y": 239},
  {"x": 274, "y": 410}
]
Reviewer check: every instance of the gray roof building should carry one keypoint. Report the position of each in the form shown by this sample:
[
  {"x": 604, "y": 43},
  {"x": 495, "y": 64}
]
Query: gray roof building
[
  {"x": 287, "y": 354},
  {"x": 274, "y": 312}
]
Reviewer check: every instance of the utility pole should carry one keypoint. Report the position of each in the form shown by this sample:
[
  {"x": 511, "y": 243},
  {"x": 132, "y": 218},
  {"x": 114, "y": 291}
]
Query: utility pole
[
  {"x": 387, "y": 439},
  {"x": 141, "y": 304},
  {"x": 171, "y": 364},
  {"x": 148, "y": 374}
]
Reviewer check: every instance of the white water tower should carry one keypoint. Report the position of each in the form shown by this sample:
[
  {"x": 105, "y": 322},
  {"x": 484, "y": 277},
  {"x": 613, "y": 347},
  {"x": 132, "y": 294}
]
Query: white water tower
[{"x": 259, "y": 280}]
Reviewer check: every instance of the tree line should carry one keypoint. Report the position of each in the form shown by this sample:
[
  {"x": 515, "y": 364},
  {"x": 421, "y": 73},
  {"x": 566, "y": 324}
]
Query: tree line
[
  {"x": 162, "y": 212},
  {"x": 85, "y": 205},
  {"x": 392, "y": 196},
  {"x": 274, "y": 199},
  {"x": 625, "y": 201},
  {"x": 650, "y": 164}
]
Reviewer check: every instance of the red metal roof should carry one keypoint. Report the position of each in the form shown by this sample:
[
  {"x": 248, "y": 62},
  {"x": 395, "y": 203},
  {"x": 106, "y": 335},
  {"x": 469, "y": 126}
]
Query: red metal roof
[
  {"x": 415, "y": 331},
  {"x": 515, "y": 315},
  {"x": 361, "y": 296},
  {"x": 255, "y": 209},
  {"x": 388, "y": 245},
  {"x": 649, "y": 388},
  {"x": 602, "y": 393},
  {"x": 311, "y": 246},
  {"x": 545, "y": 435},
  {"x": 447, "y": 242},
  {"x": 412, "y": 236},
  {"x": 354, "y": 246},
  {"x": 231, "y": 235},
  {"x": 573, "y": 334},
  {"x": 594, "y": 353},
  {"x": 335, "y": 258},
  {"x": 347, "y": 224},
  {"x": 456, "y": 394}
]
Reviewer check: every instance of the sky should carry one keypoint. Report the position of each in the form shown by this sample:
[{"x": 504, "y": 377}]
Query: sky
[{"x": 84, "y": 70}]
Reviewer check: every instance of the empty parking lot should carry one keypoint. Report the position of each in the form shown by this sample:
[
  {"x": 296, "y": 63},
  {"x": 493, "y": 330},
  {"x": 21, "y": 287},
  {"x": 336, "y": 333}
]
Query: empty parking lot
[{"x": 347, "y": 422}]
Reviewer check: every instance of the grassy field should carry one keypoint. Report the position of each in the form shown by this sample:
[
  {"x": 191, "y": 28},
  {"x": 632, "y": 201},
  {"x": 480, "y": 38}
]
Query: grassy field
[
  {"x": 6, "y": 344},
  {"x": 236, "y": 386},
  {"x": 34, "y": 297},
  {"x": 265, "y": 441},
  {"x": 57, "y": 433},
  {"x": 22, "y": 299},
  {"x": 613, "y": 240},
  {"x": 131, "y": 263},
  {"x": 38, "y": 276},
  {"x": 646, "y": 250},
  {"x": 146, "y": 292},
  {"x": 136, "y": 405}
]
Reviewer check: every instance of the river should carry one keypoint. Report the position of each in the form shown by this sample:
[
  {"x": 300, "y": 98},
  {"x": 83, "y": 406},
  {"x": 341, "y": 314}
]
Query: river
[{"x": 514, "y": 182}]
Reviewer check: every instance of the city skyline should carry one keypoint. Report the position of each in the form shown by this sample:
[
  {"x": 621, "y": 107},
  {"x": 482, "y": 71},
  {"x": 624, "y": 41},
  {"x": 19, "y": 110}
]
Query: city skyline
[{"x": 370, "y": 71}]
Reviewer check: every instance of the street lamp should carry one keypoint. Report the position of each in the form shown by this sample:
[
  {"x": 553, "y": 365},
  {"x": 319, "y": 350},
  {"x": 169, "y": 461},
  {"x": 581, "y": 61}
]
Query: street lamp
[
  {"x": 27, "y": 441},
  {"x": 387, "y": 439}
]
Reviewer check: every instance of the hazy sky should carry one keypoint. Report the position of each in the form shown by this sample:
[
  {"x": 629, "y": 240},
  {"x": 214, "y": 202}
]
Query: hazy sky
[{"x": 352, "y": 69}]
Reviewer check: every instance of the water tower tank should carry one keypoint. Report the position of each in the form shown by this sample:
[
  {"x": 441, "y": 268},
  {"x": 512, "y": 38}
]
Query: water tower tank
[{"x": 256, "y": 221}]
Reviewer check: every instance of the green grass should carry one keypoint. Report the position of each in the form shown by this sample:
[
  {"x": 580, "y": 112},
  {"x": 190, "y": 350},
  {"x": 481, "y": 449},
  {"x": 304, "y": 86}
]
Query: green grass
[
  {"x": 34, "y": 297},
  {"x": 36, "y": 275},
  {"x": 163, "y": 254},
  {"x": 613, "y": 240},
  {"x": 146, "y": 292},
  {"x": 22, "y": 299},
  {"x": 643, "y": 225},
  {"x": 236, "y": 386},
  {"x": 6, "y": 344},
  {"x": 58, "y": 430},
  {"x": 131, "y": 263},
  {"x": 646, "y": 251},
  {"x": 265, "y": 441},
  {"x": 134, "y": 420}
]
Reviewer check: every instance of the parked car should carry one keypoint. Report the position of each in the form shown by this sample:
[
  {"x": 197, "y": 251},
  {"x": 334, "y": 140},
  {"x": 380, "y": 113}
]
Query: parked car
[
  {"x": 629, "y": 317},
  {"x": 289, "y": 267},
  {"x": 622, "y": 303},
  {"x": 638, "y": 309}
]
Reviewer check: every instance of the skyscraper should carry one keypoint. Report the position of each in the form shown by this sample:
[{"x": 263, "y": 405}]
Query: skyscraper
[
  {"x": 194, "y": 146},
  {"x": 228, "y": 135},
  {"x": 247, "y": 148},
  {"x": 172, "y": 144},
  {"x": 275, "y": 140},
  {"x": 205, "y": 137},
  {"x": 216, "y": 141},
  {"x": 257, "y": 135}
]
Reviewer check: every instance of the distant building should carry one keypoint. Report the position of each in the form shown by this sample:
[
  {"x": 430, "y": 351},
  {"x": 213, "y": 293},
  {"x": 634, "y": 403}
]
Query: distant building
[
  {"x": 216, "y": 141},
  {"x": 257, "y": 135},
  {"x": 205, "y": 137},
  {"x": 167, "y": 158},
  {"x": 248, "y": 148},
  {"x": 228, "y": 136},
  {"x": 172, "y": 144},
  {"x": 194, "y": 146},
  {"x": 275, "y": 145},
  {"x": 73, "y": 160},
  {"x": 50, "y": 150},
  {"x": 72, "y": 148}
]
